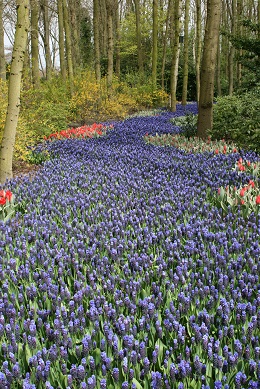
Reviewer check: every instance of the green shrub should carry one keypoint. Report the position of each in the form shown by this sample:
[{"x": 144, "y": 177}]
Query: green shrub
[
  {"x": 43, "y": 111},
  {"x": 37, "y": 157},
  {"x": 188, "y": 124},
  {"x": 237, "y": 118},
  {"x": 142, "y": 90},
  {"x": 46, "y": 108}
]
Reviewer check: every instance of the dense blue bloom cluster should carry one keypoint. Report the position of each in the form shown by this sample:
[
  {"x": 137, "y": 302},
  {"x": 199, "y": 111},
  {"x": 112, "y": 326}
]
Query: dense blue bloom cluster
[{"x": 121, "y": 273}]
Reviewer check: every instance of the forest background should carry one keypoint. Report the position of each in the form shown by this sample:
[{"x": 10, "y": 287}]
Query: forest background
[{"x": 90, "y": 61}]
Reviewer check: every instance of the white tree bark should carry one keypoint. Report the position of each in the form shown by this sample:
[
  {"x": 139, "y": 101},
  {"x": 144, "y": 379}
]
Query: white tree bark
[
  {"x": 8, "y": 141},
  {"x": 2, "y": 49}
]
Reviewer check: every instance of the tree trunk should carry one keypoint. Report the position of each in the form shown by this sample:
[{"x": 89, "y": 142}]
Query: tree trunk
[
  {"x": 139, "y": 38},
  {"x": 239, "y": 34},
  {"x": 96, "y": 39},
  {"x": 103, "y": 25},
  {"x": 186, "y": 54},
  {"x": 232, "y": 8},
  {"x": 155, "y": 44},
  {"x": 35, "y": 42},
  {"x": 224, "y": 41},
  {"x": 165, "y": 39},
  {"x": 205, "y": 118},
  {"x": 68, "y": 45},
  {"x": 117, "y": 46},
  {"x": 74, "y": 27},
  {"x": 14, "y": 90},
  {"x": 2, "y": 47},
  {"x": 218, "y": 71},
  {"x": 198, "y": 47},
  {"x": 258, "y": 17},
  {"x": 110, "y": 43},
  {"x": 175, "y": 55},
  {"x": 61, "y": 39},
  {"x": 46, "y": 23}
]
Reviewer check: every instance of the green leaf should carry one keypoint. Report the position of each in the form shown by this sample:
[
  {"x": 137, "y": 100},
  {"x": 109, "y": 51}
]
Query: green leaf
[
  {"x": 193, "y": 384},
  {"x": 96, "y": 355},
  {"x": 137, "y": 384},
  {"x": 222, "y": 193},
  {"x": 143, "y": 293},
  {"x": 223, "y": 206},
  {"x": 230, "y": 201},
  {"x": 209, "y": 370}
]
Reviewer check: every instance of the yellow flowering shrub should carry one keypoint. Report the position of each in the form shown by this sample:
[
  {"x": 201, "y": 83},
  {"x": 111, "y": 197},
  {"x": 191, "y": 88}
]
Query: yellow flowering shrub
[
  {"x": 93, "y": 101},
  {"x": 50, "y": 108}
]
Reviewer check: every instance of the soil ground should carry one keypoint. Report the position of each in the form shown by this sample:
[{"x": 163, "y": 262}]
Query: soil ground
[{"x": 21, "y": 168}]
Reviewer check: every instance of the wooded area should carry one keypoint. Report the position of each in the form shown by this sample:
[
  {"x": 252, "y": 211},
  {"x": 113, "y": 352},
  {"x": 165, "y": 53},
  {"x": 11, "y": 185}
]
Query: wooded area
[{"x": 184, "y": 49}]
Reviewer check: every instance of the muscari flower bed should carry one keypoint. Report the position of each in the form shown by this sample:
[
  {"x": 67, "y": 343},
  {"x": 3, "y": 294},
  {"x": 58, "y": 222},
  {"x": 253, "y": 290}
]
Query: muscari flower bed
[{"x": 118, "y": 272}]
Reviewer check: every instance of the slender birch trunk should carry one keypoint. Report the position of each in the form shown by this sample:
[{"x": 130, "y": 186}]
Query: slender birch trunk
[
  {"x": 74, "y": 27},
  {"x": 14, "y": 90},
  {"x": 61, "y": 40},
  {"x": 232, "y": 9},
  {"x": 35, "y": 42},
  {"x": 186, "y": 54},
  {"x": 2, "y": 47},
  {"x": 46, "y": 23},
  {"x": 96, "y": 13},
  {"x": 175, "y": 54},
  {"x": 110, "y": 43},
  {"x": 139, "y": 37},
  {"x": 165, "y": 39},
  {"x": 155, "y": 44},
  {"x": 68, "y": 45},
  {"x": 117, "y": 45},
  {"x": 198, "y": 47}
]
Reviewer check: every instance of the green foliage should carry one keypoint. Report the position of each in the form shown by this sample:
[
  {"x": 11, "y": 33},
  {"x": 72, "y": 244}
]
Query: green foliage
[
  {"x": 188, "y": 124},
  {"x": 191, "y": 92},
  {"x": 237, "y": 118},
  {"x": 248, "y": 49},
  {"x": 86, "y": 45},
  {"x": 46, "y": 108},
  {"x": 144, "y": 93},
  {"x": 43, "y": 111},
  {"x": 193, "y": 145},
  {"x": 36, "y": 156},
  {"x": 246, "y": 197},
  {"x": 128, "y": 46}
]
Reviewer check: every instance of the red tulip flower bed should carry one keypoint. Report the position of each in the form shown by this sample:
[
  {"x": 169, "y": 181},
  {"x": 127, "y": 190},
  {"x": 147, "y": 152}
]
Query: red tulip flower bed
[{"x": 94, "y": 131}]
